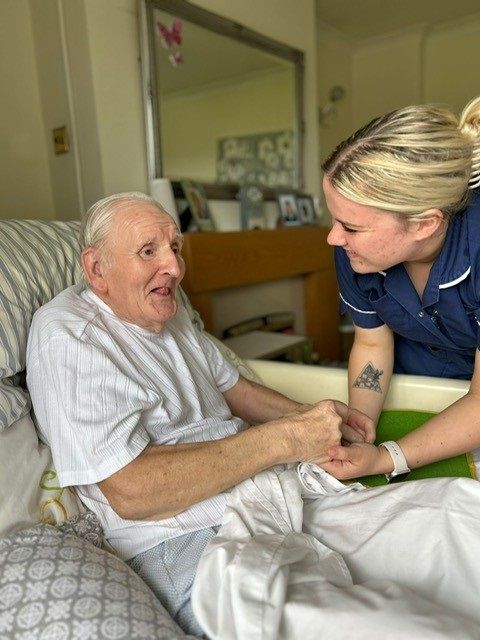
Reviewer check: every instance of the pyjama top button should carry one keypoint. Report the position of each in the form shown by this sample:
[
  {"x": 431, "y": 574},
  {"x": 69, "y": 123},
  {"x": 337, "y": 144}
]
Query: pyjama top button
[{"x": 421, "y": 314}]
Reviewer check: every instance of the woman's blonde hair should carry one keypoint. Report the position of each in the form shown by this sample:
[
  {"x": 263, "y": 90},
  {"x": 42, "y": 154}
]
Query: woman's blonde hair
[{"x": 411, "y": 160}]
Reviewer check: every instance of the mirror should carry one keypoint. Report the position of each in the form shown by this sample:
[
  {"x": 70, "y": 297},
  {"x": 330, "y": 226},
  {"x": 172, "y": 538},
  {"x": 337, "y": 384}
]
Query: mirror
[{"x": 223, "y": 104}]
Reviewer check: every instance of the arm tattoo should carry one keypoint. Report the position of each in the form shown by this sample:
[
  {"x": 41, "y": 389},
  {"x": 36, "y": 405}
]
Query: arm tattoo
[{"x": 369, "y": 378}]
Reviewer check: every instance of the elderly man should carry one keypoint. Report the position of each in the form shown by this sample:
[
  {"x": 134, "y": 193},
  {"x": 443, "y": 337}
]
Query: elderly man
[{"x": 143, "y": 413}]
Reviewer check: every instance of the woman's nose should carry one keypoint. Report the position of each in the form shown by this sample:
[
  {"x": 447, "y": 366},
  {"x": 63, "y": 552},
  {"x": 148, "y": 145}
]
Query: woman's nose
[{"x": 336, "y": 236}]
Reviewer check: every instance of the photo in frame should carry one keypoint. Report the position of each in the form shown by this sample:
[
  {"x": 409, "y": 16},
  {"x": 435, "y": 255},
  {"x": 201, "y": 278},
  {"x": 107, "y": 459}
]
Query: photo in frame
[
  {"x": 198, "y": 204},
  {"x": 289, "y": 212},
  {"x": 251, "y": 207},
  {"x": 307, "y": 210}
]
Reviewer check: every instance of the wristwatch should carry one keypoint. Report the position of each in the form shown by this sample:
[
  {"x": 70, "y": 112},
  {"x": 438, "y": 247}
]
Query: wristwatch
[{"x": 400, "y": 466}]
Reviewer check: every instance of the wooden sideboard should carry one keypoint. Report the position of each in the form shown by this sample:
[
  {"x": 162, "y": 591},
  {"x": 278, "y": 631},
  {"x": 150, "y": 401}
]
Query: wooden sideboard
[{"x": 234, "y": 259}]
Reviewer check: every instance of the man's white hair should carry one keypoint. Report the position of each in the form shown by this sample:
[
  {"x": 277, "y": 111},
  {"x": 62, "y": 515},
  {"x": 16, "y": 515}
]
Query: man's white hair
[{"x": 98, "y": 219}]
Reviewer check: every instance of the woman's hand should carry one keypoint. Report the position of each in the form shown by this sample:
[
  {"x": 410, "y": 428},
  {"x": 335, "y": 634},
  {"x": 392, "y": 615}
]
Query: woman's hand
[
  {"x": 357, "y": 426},
  {"x": 356, "y": 460}
]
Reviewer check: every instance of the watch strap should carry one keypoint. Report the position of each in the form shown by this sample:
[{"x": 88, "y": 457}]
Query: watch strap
[{"x": 400, "y": 465}]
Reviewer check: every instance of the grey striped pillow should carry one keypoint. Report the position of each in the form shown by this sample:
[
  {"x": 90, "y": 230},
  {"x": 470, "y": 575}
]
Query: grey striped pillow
[{"x": 37, "y": 260}]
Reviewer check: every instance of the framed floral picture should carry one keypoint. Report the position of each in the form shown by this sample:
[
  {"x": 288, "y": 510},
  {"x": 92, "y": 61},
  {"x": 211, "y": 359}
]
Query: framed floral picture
[
  {"x": 198, "y": 204},
  {"x": 265, "y": 159}
]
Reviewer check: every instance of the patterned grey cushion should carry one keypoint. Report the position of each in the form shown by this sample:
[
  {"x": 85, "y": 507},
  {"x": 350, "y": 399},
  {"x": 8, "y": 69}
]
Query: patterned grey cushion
[
  {"x": 38, "y": 260},
  {"x": 55, "y": 585}
]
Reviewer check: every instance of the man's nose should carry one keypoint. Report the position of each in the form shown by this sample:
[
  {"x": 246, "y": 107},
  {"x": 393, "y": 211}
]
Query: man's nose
[
  {"x": 171, "y": 263},
  {"x": 336, "y": 236}
]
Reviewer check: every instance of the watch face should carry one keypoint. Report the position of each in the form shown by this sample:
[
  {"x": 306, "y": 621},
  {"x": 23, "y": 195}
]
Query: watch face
[{"x": 398, "y": 477}]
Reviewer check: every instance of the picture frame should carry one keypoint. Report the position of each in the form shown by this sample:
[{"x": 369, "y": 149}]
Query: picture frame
[
  {"x": 251, "y": 207},
  {"x": 198, "y": 205},
  {"x": 307, "y": 210},
  {"x": 289, "y": 212}
]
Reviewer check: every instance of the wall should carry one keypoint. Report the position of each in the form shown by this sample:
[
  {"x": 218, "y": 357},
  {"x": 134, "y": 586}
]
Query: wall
[
  {"x": 93, "y": 50},
  {"x": 451, "y": 69},
  {"x": 387, "y": 74},
  {"x": 50, "y": 58},
  {"x": 335, "y": 67},
  {"x": 82, "y": 103},
  {"x": 24, "y": 177},
  {"x": 112, "y": 34},
  {"x": 395, "y": 70},
  {"x": 194, "y": 122}
]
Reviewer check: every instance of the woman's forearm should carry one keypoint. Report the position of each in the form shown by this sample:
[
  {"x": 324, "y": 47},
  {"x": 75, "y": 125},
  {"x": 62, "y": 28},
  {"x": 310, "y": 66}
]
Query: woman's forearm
[
  {"x": 370, "y": 370},
  {"x": 454, "y": 431}
]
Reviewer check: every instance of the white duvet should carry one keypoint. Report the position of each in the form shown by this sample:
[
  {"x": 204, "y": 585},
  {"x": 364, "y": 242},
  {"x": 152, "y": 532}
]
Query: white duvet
[{"x": 300, "y": 555}]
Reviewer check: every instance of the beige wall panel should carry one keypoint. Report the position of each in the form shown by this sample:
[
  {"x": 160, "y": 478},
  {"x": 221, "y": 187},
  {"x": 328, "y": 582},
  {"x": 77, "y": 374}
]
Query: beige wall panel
[{"x": 25, "y": 190}]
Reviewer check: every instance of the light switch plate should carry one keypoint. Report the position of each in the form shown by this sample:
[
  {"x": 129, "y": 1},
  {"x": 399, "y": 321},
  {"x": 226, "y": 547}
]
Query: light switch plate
[{"x": 60, "y": 140}]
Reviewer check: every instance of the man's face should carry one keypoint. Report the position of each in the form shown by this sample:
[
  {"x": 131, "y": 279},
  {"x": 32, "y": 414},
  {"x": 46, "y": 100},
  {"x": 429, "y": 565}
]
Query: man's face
[{"x": 141, "y": 265}]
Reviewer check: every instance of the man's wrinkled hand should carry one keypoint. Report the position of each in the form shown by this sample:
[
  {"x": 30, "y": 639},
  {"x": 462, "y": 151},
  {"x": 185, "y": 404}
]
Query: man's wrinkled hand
[{"x": 314, "y": 431}]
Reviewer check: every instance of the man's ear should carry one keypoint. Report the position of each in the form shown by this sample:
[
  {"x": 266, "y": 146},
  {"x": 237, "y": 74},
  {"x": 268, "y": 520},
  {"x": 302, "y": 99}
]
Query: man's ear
[
  {"x": 432, "y": 223},
  {"x": 93, "y": 264}
]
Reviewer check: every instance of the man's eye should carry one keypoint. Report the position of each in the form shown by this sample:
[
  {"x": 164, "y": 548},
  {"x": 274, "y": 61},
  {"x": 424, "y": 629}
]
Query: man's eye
[{"x": 349, "y": 229}]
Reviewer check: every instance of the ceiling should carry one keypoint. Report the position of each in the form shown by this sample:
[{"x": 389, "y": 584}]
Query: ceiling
[{"x": 362, "y": 19}]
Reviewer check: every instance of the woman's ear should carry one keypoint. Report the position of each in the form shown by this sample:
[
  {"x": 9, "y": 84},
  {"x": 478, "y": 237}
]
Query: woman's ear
[
  {"x": 93, "y": 264},
  {"x": 432, "y": 223}
]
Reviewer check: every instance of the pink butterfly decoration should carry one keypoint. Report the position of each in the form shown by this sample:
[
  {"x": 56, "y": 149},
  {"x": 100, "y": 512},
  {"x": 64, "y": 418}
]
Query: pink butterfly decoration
[{"x": 172, "y": 36}]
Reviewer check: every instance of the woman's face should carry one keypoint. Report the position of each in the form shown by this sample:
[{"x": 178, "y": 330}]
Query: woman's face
[{"x": 373, "y": 239}]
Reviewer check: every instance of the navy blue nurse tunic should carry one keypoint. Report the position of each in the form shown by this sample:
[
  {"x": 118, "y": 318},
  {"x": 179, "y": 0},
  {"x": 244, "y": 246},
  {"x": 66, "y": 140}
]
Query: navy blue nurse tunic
[{"x": 439, "y": 334}]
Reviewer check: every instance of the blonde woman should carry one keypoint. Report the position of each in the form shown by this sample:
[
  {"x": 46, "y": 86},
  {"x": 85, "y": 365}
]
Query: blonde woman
[{"x": 402, "y": 193}]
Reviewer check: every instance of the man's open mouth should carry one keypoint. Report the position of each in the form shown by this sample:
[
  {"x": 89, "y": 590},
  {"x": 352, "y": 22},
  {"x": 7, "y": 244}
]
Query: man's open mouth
[{"x": 162, "y": 291}]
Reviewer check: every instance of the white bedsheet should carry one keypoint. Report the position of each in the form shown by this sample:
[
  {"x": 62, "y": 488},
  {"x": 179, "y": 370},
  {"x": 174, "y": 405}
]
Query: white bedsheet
[{"x": 300, "y": 555}]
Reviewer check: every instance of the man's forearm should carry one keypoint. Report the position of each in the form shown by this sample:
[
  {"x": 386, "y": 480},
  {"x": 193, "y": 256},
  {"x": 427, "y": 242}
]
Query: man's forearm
[
  {"x": 256, "y": 404},
  {"x": 165, "y": 480}
]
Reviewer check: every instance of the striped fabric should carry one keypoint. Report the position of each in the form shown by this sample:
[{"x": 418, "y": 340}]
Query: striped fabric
[{"x": 38, "y": 259}]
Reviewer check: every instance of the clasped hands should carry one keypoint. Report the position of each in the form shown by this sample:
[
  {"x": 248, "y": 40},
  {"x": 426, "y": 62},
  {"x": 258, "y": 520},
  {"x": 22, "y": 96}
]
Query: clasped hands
[{"x": 350, "y": 453}]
